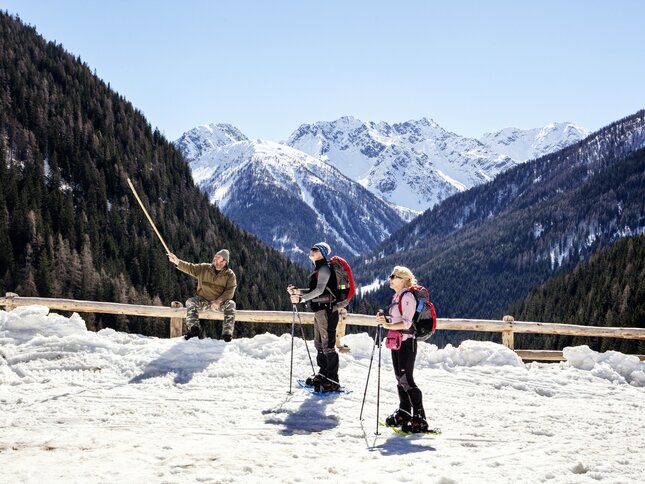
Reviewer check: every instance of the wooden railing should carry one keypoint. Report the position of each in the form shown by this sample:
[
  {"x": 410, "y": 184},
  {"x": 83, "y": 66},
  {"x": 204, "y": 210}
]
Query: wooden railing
[{"x": 508, "y": 326}]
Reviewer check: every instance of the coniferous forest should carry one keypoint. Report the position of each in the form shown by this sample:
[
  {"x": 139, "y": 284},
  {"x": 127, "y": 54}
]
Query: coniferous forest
[
  {"x": 69, "y": 225},
  {"x": 607, "y": 290}
]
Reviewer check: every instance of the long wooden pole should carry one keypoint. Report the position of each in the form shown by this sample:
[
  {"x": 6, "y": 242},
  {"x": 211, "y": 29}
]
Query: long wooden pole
[{"x": 136, "y": 195}]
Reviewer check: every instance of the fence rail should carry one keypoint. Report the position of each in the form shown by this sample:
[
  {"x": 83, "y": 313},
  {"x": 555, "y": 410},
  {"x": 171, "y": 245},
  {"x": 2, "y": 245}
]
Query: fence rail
[{"x": 508, "y": 326}]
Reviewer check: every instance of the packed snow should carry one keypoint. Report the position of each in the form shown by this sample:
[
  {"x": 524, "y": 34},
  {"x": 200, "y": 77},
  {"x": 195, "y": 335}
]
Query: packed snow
[{"x": 79, "y": 406}]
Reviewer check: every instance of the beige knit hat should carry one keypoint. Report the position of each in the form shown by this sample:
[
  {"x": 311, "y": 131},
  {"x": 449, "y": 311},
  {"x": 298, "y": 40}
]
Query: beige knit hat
[{"x": 225, "y": 254}]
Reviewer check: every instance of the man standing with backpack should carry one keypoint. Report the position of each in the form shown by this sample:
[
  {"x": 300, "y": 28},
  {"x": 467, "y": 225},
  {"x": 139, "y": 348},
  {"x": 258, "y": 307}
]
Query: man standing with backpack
[{"x": 321, "y": 299}]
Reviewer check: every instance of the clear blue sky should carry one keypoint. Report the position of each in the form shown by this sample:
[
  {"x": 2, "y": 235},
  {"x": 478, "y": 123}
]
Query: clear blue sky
[{"x": 269, "y": 66}]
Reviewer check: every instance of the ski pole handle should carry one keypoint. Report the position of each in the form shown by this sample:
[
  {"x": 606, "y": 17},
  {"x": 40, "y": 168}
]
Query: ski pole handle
[{"x": 379, "y": 313}]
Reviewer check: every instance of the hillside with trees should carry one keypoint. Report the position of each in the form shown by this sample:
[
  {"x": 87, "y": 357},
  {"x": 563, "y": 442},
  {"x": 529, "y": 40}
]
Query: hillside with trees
[
  {"x": 483, "y": 249},
  {"x": 69, "y": 225},
  {"x": 607, "y": 290}
]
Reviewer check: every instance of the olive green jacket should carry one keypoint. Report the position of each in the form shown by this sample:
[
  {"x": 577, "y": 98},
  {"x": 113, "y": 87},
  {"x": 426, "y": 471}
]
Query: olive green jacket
[{"x": 211, "y": 283}]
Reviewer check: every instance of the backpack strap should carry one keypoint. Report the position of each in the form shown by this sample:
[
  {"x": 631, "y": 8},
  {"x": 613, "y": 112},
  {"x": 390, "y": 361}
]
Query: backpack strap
[
  {"x": 328, "y": 298},
  {"x": 401, "y": 300},
  {"x": 412, "y": 329}
]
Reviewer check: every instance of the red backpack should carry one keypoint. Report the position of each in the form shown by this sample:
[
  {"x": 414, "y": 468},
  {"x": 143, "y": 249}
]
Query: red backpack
[
  {"x": 424, "y": 322},
  {"x": 344, "y": 290}
]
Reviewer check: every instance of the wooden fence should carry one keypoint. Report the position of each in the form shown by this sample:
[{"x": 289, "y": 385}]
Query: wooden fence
[{"x": 508, "y": 326}]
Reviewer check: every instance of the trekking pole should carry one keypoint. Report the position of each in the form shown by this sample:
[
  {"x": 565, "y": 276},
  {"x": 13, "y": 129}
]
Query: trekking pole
[
  {"x": 378, "y": 385},
  {"x": 302, "y": 331},
  {"x": 293, "y": 330},
  {"x": 369, "y": 370},
  {"x": 136, "y": 195}
]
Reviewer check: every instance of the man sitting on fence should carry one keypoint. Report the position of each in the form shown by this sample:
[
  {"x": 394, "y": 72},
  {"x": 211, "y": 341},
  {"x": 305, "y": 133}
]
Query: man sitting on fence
[{"x": 216, "y": 284}]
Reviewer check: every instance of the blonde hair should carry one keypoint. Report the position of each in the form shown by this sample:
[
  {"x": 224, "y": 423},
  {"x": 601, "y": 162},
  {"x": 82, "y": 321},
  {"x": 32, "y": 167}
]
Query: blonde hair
[{"x": 405, "y": 274}]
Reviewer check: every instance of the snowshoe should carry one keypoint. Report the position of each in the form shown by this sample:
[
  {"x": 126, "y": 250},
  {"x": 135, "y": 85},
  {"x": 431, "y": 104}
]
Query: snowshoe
[
  {"x": 416, "y": 425},
  {"x": 315, "y": 380},
  {"x": 318, "y": 390},
  {"x": 398, "y": 418},
  {"x": 327, "y": 386}
]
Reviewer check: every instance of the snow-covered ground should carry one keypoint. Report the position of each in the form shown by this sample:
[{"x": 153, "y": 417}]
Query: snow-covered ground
[{"x": 91, "y": 407}]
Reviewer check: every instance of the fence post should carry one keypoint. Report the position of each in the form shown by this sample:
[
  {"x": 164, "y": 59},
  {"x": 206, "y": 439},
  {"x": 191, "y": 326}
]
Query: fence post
[
  {"x": 340, "y": 330},
  {"x": 10, "y": 307},
  {"x": 176, "y": 324},
  {"x": 507, "y": 336}
]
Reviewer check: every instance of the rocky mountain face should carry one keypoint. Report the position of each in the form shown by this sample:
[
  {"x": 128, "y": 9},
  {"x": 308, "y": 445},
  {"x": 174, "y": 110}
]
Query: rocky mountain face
[
  {"x": 285, "y": 197},
  {"x": 417, "y": 164}
]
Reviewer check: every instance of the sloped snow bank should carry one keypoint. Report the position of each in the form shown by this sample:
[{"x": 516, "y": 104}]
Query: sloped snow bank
[
  {"x": 35, "y": 326},
  {"x": 611, "y": 365}
]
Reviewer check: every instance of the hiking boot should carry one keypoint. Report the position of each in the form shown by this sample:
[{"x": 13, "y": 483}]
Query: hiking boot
[
  {"x": 315, "y": 380},
  {"x": 416, "y": 425},
  {"x": 398, "y": 418},
  {"x": 227, "y": 338},
  {"x": 327, "y": 386},
  {"x": 193, "y": 332}
]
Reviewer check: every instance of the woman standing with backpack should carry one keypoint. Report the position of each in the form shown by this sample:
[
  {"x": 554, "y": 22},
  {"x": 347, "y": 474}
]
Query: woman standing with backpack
[{"x": 410, "y": 415}]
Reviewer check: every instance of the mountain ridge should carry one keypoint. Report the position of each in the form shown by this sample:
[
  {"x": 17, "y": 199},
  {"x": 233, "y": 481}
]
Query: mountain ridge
[
  {"x": 290, "y": 199},
  {"x": 417, "y": 163}
]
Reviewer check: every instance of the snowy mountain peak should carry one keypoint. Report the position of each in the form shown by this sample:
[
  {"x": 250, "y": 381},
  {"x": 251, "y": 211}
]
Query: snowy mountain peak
[
  {"x": 414, "y": 164},
  {"x": 418, "y": 163},
  {"x": 289, "y": 198},
  {"x": 527, "y": 144},
  {"x": 205, "y": 138},
  {"x": 393, "y": 171}
]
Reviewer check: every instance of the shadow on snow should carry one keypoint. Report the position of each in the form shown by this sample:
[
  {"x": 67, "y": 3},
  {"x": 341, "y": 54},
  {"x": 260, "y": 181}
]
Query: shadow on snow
[
  {"x": 310, "y": 417},
  {"x": 395, "y": 444},
  {"x": 184, "y": 359}
]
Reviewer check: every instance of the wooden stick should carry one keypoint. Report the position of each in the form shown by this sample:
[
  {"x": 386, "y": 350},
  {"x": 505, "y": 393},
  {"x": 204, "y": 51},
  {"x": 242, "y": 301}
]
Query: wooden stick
[{"x": 148, "y": 216}]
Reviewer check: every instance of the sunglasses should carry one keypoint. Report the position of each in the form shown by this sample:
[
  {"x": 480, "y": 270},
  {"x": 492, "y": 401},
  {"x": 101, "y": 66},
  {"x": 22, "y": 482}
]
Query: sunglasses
[
  {"x": 394, "y": 276},
  {"x": 314, "y": 249}
]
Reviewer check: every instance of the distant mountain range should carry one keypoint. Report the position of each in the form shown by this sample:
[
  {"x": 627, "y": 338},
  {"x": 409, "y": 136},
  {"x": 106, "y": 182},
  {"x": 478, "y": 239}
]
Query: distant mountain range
[
  {"x": 284, "y": 196},
  {"x": 349, "y": 182},
  {"x": 417, "y": 164}
]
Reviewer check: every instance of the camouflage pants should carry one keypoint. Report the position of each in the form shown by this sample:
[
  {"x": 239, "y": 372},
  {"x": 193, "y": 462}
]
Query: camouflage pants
[{"x": 198, "y": 303}]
